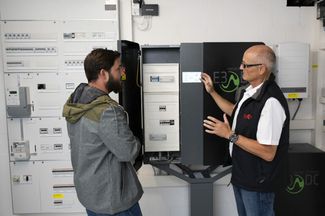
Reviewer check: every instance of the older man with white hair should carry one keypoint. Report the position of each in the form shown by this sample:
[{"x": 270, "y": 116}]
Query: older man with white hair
[{"x": 258, "y": 135}]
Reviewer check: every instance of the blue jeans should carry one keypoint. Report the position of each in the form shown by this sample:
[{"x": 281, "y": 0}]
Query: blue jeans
[
  {"x": 251, "y": 203},
  {"x": 133, "y": 211}
]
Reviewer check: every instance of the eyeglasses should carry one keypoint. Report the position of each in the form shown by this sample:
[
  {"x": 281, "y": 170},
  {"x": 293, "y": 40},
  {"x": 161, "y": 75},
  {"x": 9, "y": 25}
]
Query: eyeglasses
[{"x": 249, "y": 65}]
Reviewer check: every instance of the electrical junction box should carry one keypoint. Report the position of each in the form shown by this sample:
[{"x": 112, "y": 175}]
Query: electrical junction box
[
  {"x": 18, "y": 102},
  {"x": 292, "y": 69},
  {"x": 150, "y": 10},
  {"x": 21, "y": 150}
]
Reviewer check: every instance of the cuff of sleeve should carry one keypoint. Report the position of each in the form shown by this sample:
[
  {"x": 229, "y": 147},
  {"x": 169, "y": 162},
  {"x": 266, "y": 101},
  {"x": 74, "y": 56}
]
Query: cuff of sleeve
[{"x": 269, "y": 142}]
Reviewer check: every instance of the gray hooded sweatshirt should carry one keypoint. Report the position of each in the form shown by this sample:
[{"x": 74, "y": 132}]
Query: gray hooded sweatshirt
[{"x": 102, "y": 150}]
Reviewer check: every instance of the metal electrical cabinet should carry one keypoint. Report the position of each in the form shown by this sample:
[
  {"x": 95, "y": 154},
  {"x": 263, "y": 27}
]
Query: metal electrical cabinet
[
  {"x": 151, "y": 97},
  {"x": 161, "y": 107},
  {"x": 160, "y": 75}
]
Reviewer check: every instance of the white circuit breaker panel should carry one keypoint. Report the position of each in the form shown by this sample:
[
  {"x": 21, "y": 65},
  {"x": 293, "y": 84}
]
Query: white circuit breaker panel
[
  {"x": 293, "y": 69},
  {"x": 161, "y": 122},
  {"x": 57, "y": 188},
  {"x": 25, "y": 181},
  {"x": 42, "y": 65},
  {"x": 44, "y": 46},
  {"x": 161, "y": 107},
  {"x": 160, "y": 78},
  {"x": 80, "y": 37},
  {"x": 30, "y": 46},
  {"x": 47, "y": 91},
  {"x": 43, "y": 187},
  {"x": 47, "y": 138}
]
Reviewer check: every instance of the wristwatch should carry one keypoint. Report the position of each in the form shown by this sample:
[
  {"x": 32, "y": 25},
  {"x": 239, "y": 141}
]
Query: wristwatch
[{"x": 233, "y": 137}]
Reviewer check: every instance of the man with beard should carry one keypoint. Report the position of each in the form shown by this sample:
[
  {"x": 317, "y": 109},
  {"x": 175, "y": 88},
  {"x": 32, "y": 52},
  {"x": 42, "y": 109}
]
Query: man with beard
[{"x": 102, "y": 144}]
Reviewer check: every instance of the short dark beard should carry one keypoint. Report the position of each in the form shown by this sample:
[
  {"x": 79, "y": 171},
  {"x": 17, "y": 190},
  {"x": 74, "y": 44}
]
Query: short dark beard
[{"x": 113, "y": 85}]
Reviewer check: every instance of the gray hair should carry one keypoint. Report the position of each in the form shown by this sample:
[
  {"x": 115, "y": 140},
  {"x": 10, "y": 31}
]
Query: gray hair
[{"x": 267, "y": 57}]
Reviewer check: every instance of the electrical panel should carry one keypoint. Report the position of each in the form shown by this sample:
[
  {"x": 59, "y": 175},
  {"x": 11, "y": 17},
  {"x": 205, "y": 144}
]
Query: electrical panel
[
  {"x": 47, "y": 91},
  {"x": 48, "y": 137},
  {"x": 161, "y": 119},
  {"x": 293, "y": 69},
  {"x": 57, "y": 188},
  {"x": 30, "y": 46},
  {"x": 160, "y": 78},
  {"x": 42, "y": 65},
  {"x": 43, "y": 187},
  {"x": 160, "y": 102},
  {"x": 25, "y": 180},
  {"x": 161, "y": 122}
]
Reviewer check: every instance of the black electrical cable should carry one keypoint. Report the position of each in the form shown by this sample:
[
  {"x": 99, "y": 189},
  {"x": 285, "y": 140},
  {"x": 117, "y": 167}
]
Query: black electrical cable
[{"x": 299, "y": 103}]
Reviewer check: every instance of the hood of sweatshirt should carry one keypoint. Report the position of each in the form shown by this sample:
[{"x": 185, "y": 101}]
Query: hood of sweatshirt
[{"x": 82, "y": 100}]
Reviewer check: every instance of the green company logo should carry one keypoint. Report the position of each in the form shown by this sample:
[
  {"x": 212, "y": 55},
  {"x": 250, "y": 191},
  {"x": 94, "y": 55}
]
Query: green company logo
[
  {"x": 297, "y": 184},
  {"x": 232, "y": 83}
]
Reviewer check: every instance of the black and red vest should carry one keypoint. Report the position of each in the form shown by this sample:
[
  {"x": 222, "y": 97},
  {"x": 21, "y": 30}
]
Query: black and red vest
[{"x": 249, "y": 171}]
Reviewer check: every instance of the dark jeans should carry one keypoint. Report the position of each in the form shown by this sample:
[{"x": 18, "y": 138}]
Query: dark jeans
[
  {"x": 251, "y": 203},
  {"x": 133, "y": 211}
]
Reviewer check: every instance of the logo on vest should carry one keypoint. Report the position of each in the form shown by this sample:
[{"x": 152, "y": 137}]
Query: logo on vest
[{"x": 248, "y": 116}]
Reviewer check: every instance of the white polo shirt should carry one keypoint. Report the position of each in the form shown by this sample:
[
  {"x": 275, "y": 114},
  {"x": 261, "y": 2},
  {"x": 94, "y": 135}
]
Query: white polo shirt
[{"x": 271, "y": 120}]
